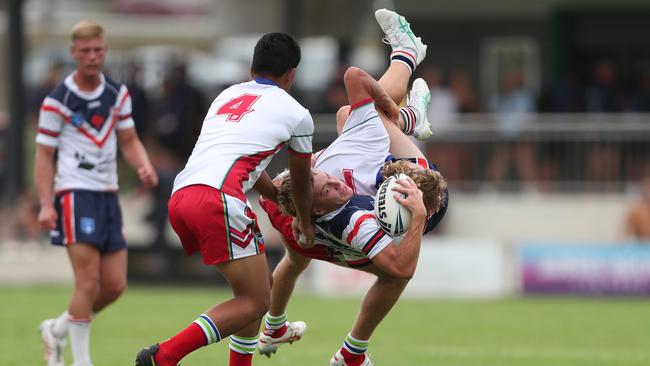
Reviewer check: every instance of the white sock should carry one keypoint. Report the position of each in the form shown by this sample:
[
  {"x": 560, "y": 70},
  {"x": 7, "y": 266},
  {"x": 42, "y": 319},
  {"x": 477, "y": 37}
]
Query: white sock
[
  {"x": 80, "y": 341},
  {"x": 60, "y": 327}
]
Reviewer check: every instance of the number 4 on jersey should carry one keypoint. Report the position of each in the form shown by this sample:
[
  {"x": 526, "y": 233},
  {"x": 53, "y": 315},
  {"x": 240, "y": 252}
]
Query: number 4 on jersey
[{"x": 237, "y": 107}]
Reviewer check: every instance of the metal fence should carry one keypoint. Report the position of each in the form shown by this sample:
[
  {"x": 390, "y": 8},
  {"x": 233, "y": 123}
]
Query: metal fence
[{"x": 547, "y": 152}]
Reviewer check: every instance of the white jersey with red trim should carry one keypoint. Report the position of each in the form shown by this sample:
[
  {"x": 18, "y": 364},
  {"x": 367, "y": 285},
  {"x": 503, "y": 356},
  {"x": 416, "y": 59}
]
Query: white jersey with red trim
[
  {"x": 359, "y": 151},
  {"x": 82, "y": 125},
  {"x": 245, "y": 126},
  {"x": 353, "y": 230}
]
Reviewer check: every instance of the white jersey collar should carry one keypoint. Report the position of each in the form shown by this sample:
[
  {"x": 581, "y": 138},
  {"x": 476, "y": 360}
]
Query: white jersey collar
[{"x": 69, "y": 82}]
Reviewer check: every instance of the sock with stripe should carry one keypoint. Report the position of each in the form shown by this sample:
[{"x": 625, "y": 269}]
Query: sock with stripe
[
  {"x": 354, "y": 350},
  {"x": 404, "y": 58},
  {"x": 242, "y": 349},
  {"x": 410, "y": 116},
  {"x": 79, "y": 329},
  {"x": 60, "y": 327},
  {"x": 201, "y": 332},
  {"x": 275, "y": 326}
]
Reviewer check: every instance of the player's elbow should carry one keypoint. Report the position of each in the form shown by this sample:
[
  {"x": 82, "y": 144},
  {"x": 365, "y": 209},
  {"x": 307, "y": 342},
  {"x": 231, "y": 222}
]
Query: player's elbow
[{"x": 353, "y": 75}]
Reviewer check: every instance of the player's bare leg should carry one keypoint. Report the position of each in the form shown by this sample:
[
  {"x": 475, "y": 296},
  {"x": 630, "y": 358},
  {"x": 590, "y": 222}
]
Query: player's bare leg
[
  {"x": 112, "y": 279},
  {"x": 248, "y": 278},
  {"x": 378, "y": 301},
  {"x": 86, "y": 264},
  {"x": 277, "y": 329}
]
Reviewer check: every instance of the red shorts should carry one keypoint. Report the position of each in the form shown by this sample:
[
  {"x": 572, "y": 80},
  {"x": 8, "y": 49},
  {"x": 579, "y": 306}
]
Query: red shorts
[
  {"x": 282, "y": 223},
  {"x": 222, "y": 228}
]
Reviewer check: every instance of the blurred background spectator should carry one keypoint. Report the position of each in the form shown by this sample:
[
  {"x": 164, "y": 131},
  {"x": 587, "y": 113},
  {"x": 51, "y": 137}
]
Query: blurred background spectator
[{"x": 637, "y": 218}]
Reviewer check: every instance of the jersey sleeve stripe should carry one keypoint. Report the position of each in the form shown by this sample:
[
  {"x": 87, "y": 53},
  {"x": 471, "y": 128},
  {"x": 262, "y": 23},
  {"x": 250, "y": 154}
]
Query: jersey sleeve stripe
[
  {"x": 123, "y": 117},
  {"x": 49, "y": 108},
  {"x": 373, "y": 241},
  {"x": 361, "y": 103},
  {"x": 298, "y": 153},
  {"x": 48, "y": 132},
  {"x": 357, "y": 225}
]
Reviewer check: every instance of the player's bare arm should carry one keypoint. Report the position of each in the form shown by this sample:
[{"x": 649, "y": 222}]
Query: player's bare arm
[
  {"x": 137, "y": 157},
  {"x": 360, "y": 86},
  {"x": 44, "y": 174},
  {"x": 401, "y": 261},
  {"x": 266, "y": 188},
  {"x": 301, "y": 189}
]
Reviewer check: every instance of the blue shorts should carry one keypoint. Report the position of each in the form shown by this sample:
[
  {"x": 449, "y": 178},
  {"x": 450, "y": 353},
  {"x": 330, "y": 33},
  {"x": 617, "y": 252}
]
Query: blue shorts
[{"x": 88, "y": 217}]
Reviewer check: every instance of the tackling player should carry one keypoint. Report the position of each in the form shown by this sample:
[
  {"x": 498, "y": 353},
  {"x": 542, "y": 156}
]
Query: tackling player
[
  {"x": 80, "y": 123},
  {"x": 246, "y": 125},
  {"x": 347, "y": 233}
]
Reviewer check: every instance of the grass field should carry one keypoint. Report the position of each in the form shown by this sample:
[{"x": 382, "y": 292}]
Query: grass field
[{"x": 530, "y": 331}]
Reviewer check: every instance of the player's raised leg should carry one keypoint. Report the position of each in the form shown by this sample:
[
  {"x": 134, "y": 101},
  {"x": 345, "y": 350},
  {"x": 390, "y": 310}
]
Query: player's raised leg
[
  {"x": 277, "y": 329},
  {"x": 408, "y": 51}
]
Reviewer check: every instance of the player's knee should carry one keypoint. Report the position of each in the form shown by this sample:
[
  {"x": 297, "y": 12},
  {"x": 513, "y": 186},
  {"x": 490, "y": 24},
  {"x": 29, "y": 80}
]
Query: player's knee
[
  {"x": 352, "y": 74},
  {"x": 113, "y": 290},
  {"x": 256, "y": 307},
  {"x": 88, "y": 285}
]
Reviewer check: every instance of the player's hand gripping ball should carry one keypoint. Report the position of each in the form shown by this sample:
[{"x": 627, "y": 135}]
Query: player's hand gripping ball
[{"x": 391, "y": 215}]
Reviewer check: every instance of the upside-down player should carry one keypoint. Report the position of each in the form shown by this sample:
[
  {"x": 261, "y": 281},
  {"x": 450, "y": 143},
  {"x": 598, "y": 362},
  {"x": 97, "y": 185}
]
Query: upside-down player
[{"x": 345, "y": 180}]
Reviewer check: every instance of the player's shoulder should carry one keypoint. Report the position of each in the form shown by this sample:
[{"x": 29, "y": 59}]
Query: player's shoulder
[
  {"x": 59, "y": 92},
  {"x": 113, "y": 85}
]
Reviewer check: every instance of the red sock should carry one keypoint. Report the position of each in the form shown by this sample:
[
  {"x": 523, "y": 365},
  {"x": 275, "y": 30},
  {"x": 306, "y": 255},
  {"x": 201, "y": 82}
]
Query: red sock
[
  {"x": 172, "y": 350},
  {"x": 239, "y": 359},
  {"x": 352, "y": 359},
  {"x": 276, "y": 333}
]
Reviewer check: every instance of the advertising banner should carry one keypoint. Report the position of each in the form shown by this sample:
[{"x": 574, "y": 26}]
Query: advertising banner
[{"x": 599, "y": 269}]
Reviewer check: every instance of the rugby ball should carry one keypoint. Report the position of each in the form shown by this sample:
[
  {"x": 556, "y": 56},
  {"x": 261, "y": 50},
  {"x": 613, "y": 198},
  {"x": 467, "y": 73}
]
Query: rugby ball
[{"x": 392, "y": 216}]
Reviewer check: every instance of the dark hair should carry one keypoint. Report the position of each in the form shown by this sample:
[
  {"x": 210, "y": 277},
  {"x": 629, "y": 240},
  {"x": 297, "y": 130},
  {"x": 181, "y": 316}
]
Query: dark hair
[{"x": 275, "y": 54}]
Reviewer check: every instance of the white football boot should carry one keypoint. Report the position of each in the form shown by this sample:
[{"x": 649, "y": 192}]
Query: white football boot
[
  {"x": 268, "y": 345},
  {"x": 398, "y": 34},
  {"x": 338, "y": 360},
  {"x": 419, "y": 98},
  {"x": 54, "y": 347}
]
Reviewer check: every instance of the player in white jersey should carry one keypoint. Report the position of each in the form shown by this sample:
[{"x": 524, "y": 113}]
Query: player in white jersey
[
  {"x": 348, "y": 234},
  {"x": 80, "y": 123},
  {"x": 245, "y": 127}
]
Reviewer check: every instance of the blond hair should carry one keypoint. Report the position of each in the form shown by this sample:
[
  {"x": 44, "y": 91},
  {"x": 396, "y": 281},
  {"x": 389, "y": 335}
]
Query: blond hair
[
  {"x": 87, "y": 29},
  {"x": 432, "y": 184},
  {"x": 285, "y": 199}
]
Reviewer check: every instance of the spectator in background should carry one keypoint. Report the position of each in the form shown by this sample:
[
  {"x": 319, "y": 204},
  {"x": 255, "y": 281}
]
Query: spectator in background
[
  {"x": 602, "y": 93},
  {"x": 173, "y": 132},
  {"x": 443, "y": 108},
  {"x": 461, "y": 86},
  {"x": 637, "y": 219},
  {"x": 513, "y": 108},
  {"x": 141, "y": 106},
  {"x": 564, "y": 95},
  {"x": 179, "y": 114},
  {"x": 443, "y": 114}
]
